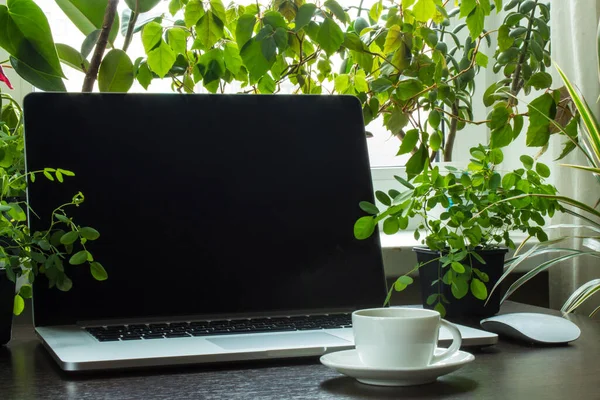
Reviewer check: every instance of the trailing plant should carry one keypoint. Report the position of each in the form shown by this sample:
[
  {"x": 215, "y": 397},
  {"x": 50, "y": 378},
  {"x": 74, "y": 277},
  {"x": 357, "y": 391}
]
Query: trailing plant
[
  {"x": 462, "y": 212},
  {"x": 23, "y": 253}
]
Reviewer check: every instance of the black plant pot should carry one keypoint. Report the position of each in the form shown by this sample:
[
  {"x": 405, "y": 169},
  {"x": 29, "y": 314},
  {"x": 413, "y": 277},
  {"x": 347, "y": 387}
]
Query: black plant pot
[
  {"x": 7, "y": 297},
  {"x": 468, "y": 305}
]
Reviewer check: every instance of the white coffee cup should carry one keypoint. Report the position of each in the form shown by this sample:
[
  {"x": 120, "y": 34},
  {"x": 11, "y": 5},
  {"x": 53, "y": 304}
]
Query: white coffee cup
[{"x": 400, "y": 337}]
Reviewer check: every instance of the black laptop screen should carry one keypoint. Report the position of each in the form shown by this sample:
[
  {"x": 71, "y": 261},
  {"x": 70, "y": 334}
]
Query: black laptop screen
[{"x": 206, "y": 204}]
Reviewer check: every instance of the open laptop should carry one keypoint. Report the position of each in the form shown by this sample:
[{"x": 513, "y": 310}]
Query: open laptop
[{"x": 226, "y": 226}]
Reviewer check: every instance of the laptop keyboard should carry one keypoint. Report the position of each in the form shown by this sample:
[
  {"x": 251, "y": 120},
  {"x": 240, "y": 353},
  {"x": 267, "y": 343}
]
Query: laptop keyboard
[{"x": 114, "y": 333}]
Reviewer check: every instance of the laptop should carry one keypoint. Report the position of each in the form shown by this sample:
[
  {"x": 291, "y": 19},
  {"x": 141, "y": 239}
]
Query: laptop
[{"x": 226, "y": 226}]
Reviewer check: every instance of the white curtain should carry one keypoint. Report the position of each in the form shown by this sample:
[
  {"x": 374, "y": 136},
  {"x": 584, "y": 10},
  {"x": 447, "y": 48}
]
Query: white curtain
[{"x": 574, "y": 43}]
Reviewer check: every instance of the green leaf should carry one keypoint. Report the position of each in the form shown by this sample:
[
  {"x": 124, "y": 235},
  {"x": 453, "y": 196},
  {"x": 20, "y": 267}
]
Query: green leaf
[
  {"x": 458, "y": 267},
  {"x": 424, "y": 10},
  {"x": 212, "y": 66},
  {"x": 353, "y": 42},
  {"x": 527, "y": 161},
  {"x": 342, "y": 83},
  {"x": 116, "y": 72},
  {"x": 274, "y": 19},
  {"x": 408, "y": 88},
  {"x": 177, "y": 39},
  {"x": 89, "y": 42},
  {"x": 88, "y": 16},
  {"x": 62, "y": 218},
  {"x": 380, "y": 85},
  {"x": 540, "y": 80},
  {"x": 266, "y": 84},
  {"x": 194, "y": 10},
  {"x": 26, "y": 36},
  {"x": 505, "y": 42},
  {"x": 304, "y": 15},
  {"x": 161, "y": 59},
  {"x": 409, "y": 142},
  {"x": 393, "y": 40},
  {"x": 368, "y": 207},
  {"x": 64, "y": 284},
  {"x": 254, "y": 60},
  {"x": 435, "y": 141},
  {"x": 498, "y": 117},
  {"x": 209, "y": 30},
  {"x": 481, "y": 59},
  {"x": 478, "y": 289},
  {"x": 18, "y": 305},
  {"x": 542, "y": 169},
  {"x": 518, "y": 122},
  {"x": 175, "y": 6},
  {"x": 26, "y": 291},
  {"x": 72, "y": 57},
  {"x": 383, "y": 198},
  {"x": 466, "y": 7},
  {"x": 144, "y": 5},
  {"x": 330, "y": 36},
  {"x": 218, "y": 10},
  {"x": 98, "y": 271},
  {"x": 540, "y": 109},
  {"x": 360, "y": 81},
  {"x": 391, "y": 226},
  {"x": 69, "y": 237},
  {"x": 406, "y": 280},
  {"x": 38, "y": 79},
  {"x": 89, "y": 233},
  {"x": 501, "y": 137},
  {"x": 336, "y": 9},
  {"x": 376, "y": 10},
  {"x": 144, "y": 75},
  {"x": 439, "y": 307},
  {"x": 459, "y": 288},
  {"x": 79, "y": 258},
  {"x": 151, "y": 35},
  {"x": 244, "y": 29},
  {"x": 233, "y": 61},
  {"x": 417, "y": 162},
  {"x": 432, "y": 298},
  {"x": 17, "y": 212},
  {"x": 475, "y": 22},
  {"x": 364, "y": 227}
]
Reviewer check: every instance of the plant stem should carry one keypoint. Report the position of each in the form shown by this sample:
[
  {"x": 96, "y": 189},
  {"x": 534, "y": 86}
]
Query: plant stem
[
  {"x": 516, "y": 85},
  {"x": 92, "y": 73},
  {"x": 451, "y": 133},
  {"x": 360, "y": 7},
  {"x": 131, "y": 26}
]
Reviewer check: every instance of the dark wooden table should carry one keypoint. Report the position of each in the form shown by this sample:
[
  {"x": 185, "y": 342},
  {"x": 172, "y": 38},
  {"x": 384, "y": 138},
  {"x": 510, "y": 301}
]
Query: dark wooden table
[{"x": 508, "y": 370}]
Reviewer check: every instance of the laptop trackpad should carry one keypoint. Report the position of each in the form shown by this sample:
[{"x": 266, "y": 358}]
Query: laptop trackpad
[{"x": 279, "y": 341}]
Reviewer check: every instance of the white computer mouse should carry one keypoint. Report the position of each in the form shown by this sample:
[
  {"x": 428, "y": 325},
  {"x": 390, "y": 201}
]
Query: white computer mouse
[{"x": 532, "y": 327}]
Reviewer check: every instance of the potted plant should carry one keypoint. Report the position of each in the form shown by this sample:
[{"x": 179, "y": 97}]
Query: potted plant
[
  {"x": 24, "y": 254},
  {"x": 587, "y": 233},
  {"x": 463, "y": 222}
]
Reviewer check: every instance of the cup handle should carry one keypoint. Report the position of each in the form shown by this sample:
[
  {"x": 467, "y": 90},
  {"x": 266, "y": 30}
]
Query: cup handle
[{"x": 454, "y": 347}]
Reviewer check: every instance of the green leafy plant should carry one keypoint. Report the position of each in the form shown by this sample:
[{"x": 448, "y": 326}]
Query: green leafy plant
[
  {"x": 462, "y": 212},
  {"x": 24, "y": 254},
  {"x": 411, "y": 62},
  {"x": 588, "y": 233}
]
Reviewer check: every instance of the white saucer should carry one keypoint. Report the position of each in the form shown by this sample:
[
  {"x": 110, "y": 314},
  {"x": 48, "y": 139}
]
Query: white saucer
[{"x": 348, "y": 363}]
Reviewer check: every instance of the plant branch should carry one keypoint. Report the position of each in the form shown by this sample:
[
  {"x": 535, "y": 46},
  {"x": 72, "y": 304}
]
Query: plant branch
[
  {"x": 454, "y": 118},
  {"x": 516, "y": 85},
  {"x": 131, "y": 26},
  {"x": 92, "y": 73}
]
